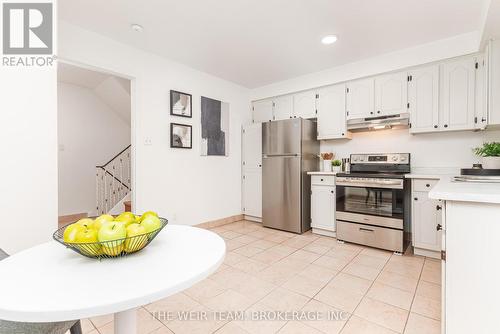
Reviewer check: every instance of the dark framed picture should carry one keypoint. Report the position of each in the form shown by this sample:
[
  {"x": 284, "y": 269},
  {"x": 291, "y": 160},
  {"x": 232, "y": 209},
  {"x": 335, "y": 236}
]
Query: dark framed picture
[
  {"x": 181, "y": 136},
  {"x": 181, "y": 104}
]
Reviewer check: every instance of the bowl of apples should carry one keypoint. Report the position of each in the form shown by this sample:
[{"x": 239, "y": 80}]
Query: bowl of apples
[{"x": 107, "y": 236}]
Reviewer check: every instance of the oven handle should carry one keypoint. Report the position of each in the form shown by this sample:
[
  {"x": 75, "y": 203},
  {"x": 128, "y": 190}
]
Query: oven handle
[
  {"x": 389, "y": 185},
  {"x": 362, "y": 229}
]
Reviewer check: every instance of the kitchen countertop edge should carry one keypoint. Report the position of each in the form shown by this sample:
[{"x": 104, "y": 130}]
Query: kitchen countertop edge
[{"x": 447, "y": 190}]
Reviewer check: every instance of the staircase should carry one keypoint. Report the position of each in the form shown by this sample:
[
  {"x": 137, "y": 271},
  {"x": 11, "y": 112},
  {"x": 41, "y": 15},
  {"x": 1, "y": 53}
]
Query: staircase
[{"x": 113, "y": 181}]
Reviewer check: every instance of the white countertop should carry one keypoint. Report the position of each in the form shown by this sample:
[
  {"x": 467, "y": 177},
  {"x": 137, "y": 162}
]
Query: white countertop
[
  {"x": 432, "y": 172},
  {"x": 447, "y": 190},
  {"x": 322, "y": 173}
]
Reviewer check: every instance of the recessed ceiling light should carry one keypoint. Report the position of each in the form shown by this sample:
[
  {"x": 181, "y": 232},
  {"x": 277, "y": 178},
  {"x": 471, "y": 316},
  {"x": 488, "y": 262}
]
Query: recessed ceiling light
[
  {"x": 136, "y": 27},
  {"x": 329, "y": 39}
]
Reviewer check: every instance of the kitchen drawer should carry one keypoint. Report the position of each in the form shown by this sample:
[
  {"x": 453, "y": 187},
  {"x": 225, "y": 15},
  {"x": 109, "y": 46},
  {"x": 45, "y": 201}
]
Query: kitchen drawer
[
  {"x": 327, "y": 180},
  {"x": 424, "y": 185},
  {"x": 379, "y": 237}
]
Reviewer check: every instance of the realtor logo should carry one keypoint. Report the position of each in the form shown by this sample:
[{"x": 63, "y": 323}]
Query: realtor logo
[{"x": 27, "y": 28}]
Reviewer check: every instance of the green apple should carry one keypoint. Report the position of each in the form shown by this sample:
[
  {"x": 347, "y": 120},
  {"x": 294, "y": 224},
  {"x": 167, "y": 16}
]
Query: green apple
[
  {"x": 71, "y": 232},
  {"x": 112, "y": 250},
  {"x": 112, "y": 231},
  {"x": 151, "y": 223},
  {"x": 88, "y": 236},
  {"x": 136, "y": 238},
  {"x": 97, "y": 224},
  {"x": 85, "y": 222},
  {"x": 126, "y": 217},
  {"x": 148, "y": 214}
]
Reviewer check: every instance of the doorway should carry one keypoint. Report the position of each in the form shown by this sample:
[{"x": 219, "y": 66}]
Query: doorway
[{"x": 94, "y": 143}]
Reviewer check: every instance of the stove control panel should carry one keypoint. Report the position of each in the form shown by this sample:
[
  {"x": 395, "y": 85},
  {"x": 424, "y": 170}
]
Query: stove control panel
[{"x": 383, "y": 158}]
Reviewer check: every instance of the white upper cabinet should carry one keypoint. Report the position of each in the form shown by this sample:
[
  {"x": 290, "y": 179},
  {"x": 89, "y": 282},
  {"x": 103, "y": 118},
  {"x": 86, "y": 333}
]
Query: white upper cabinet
[
  {"x": 283, "y": 107},
  {"x": 360, "y": 99},
  {"x": 423, "y": 97},
  {"x": 304, "y": 104},
  {"x": 391, "y": 94},
  {"x": 252, "y": 146},
  {"x": 481, "y": 94},
  {"x": 262, "y": 111},
  {"x": 457, "y": 94},
  {"x": 494, "y": 82},
  {"x": 331, "y": 112}
]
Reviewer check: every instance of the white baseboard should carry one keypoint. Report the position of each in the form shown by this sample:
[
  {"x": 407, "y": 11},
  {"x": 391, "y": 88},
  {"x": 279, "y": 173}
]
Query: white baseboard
[
  {"x": 254, "y": 219},
  {"x": 426, "y": 252},
  {"x": 324, "y": 232}
]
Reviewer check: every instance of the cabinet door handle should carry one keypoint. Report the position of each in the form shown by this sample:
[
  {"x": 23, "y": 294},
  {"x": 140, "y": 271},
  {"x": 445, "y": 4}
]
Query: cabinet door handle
[
  {"x": 439, "y": 227},
  {"x": 415, "y": 198},
  {"x": 378, "y": 111},
  {"x": 371, "y": 112},
  {"x": 365, "y": 230},
  {"x": 331, "y": 191},
  {"x": 438, "y": 207},
  {"x": 427, "y": 185},
  {"x": 446, "y": 125},
  {"x": 321, "y": 180},
  {"x": 435, "y": 126},
  {"x": 260, "y": 165}
]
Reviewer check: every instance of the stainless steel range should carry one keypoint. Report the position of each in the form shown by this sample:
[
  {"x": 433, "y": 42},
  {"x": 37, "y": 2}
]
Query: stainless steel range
[{"x": 373, "y": 201}]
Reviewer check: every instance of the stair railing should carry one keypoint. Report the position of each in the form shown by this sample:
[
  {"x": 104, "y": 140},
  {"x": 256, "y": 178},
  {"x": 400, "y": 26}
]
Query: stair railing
[{"x": 113, "y": 181}]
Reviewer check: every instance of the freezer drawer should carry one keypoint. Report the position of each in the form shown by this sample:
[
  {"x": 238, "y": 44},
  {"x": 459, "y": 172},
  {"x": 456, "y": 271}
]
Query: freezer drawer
[
  {"x": 373, "y": 236},
  {"x": 281, "y": 195}
]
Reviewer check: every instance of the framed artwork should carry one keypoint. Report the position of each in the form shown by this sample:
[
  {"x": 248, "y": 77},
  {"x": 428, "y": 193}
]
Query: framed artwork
[
  {"x": 214, "y": 127},
  {"x": 180, "y": 104},
  {"x": 181, "y": 136}
]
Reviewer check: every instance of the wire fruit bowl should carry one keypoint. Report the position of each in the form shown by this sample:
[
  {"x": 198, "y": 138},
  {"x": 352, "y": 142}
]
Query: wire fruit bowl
[{"x": 112, "y": 248}]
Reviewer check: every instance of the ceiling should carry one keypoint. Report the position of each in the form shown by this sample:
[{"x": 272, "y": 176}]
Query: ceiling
[
  {"x": 254, "y": 43},
  {"x": 112, "y": 90}
]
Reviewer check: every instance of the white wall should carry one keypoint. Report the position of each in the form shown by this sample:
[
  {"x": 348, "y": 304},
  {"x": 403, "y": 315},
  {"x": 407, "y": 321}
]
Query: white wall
[
  {"x": 28, "y": 172},
  {"x": 89, "y": 134},
  {"x": 450, "y": 150},
  {"x": 178, "y": 183}
]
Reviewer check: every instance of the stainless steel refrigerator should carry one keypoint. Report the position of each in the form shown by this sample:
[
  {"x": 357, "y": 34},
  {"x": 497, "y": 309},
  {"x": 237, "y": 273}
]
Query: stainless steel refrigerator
[{"x": 289, "y": 151}]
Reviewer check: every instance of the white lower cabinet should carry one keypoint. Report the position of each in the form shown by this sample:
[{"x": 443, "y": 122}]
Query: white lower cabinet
[
  {"x": 426, "y": 220},
  {"x": 323, "y": 204},
  {"x": 252, "y": 193}
]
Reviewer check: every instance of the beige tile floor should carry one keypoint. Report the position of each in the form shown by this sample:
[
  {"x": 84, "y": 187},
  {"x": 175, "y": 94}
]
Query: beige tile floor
[{"x": 369, "y": 290}]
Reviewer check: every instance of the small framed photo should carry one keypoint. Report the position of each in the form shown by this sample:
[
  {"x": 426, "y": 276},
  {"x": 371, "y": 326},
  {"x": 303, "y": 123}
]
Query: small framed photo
[
  {"x": 181, "y": 136},
  {"x": 180, "y": 104}
]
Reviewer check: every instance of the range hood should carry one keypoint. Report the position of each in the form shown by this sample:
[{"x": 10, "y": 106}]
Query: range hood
[{"x": 398, "y": 121}]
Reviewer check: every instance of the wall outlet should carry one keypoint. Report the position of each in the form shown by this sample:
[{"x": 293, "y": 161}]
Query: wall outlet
[{"x": 148, "y": 141}]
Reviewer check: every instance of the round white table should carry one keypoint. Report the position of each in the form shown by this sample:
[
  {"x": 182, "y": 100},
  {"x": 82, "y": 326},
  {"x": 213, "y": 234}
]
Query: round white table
[{"x": 48, "y": 283}]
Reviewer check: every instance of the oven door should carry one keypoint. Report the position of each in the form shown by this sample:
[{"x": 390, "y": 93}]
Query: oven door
[{"x": 372, "y": 205}]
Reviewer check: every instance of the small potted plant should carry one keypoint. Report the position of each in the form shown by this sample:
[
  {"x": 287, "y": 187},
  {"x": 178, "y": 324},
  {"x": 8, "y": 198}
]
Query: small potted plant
[
  {"x": 327, "y": 161},
  {"x": 490, "y": 152},
  {"x": 336, "y": 166}
]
